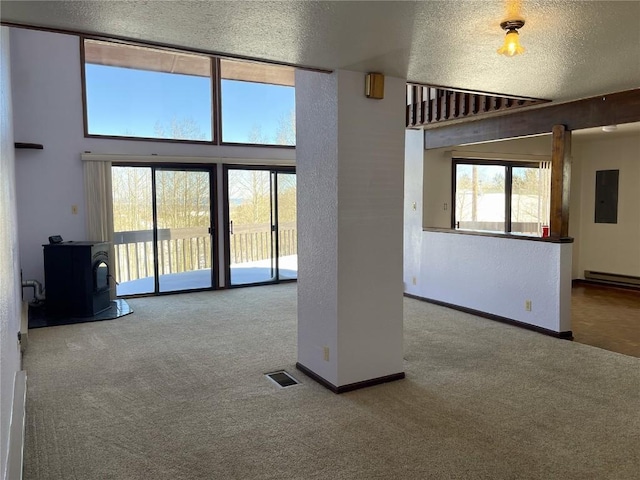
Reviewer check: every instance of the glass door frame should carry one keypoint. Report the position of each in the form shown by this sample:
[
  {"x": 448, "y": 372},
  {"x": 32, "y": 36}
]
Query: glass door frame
[
  {"x": 275, "y": 241},
  {"x": 213, "y": 219}
]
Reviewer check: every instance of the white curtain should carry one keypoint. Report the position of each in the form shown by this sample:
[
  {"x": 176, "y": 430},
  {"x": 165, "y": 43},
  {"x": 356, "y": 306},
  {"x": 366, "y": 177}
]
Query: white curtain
[
  {"x": 544, "y": 193},
  {"x": 99, "y": 209}
]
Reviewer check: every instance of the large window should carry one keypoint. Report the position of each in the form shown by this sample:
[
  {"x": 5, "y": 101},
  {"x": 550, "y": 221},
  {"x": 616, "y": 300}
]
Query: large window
[
  {"x": 134, "y": 91},
  {"x": 258, "y": 103},
  {"x": 504, "y": 197},
  {"x": 151, "y": 93}
]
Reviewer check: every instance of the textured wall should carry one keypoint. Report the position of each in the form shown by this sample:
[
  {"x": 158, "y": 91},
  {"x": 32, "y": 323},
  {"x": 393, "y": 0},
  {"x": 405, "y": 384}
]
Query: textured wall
[
  {"x": 350, "y": 176},
  {"x": 413, "y": 165},
  {"x": 47, "y": 96},
  {"x": 9, "y": 270},
  {"x": 611, "y": 248},
  {"x": 370, "y": 217},
  {"x": 497, "y": 276},
  {"x": 317, "y": 177}
]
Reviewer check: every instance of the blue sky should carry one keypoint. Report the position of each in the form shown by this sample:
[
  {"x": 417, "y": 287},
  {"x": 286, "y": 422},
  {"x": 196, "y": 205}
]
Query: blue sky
[{"x": 128, "y": 102}]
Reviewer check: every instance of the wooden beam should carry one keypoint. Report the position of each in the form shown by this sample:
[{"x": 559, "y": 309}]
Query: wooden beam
[
  {"x": 560, "y": 181},
  {"x": 612, "y": 109}
]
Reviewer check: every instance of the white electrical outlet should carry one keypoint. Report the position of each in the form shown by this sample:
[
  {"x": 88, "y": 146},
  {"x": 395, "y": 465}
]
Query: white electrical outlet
[
  {"x": 326, "y": 354},
  {"x": 414, "y": 280},
  {"x": 527, "y": 305},
  {"x": 414, "y": 205},
  {"x": 74, "y": 209},
  {"x": 445, "y": 207}
]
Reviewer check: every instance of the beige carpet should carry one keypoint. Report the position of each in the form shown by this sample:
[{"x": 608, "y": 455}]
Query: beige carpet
[{"x": 176, "y": 391}]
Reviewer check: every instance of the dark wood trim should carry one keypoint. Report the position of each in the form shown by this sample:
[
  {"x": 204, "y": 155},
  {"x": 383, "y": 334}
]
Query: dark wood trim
[
  {"x": 83, "y": 79},
  {"x": 33, "y": 146},
  {"x": 352, "y": 386},
  {"x": 508, "y": 193},
  {"x": 498, "y": 235},
  {"x": 475, "y": 92},
  {"x": 164, "y": 46},
  {"x": 615, "y": 108},
  {"x": 266, "y": 145},
  {"x": 213, "y": 221},
  {"x": 560, "y": 181},
  {"x": 216, "y": 107},
  {"x": 225, "y": 215},
  {"x": 568, "y": 335},
  {"x": 154, "y": 216},
  {"x": 149, "y": 139}
]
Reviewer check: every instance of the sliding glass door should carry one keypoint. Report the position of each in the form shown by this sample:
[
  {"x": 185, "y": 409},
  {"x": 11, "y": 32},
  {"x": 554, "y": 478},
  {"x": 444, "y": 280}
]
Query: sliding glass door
[
  {"x": 183, "y": 219},
  {"x": 162, "y": 229},
  {"x": 262, "y": 234}
]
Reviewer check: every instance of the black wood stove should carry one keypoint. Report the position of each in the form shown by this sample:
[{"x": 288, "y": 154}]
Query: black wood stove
[{"x": 76, "y": 276}]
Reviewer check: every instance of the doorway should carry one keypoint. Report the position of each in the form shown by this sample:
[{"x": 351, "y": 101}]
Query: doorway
[
  {"x": 262, "y": 233},
  {"x": 163, "y": 229}
]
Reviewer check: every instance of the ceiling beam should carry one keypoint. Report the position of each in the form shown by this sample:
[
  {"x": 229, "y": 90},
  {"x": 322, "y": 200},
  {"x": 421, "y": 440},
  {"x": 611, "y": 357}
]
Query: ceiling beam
[{"x": 611, "y": 109}]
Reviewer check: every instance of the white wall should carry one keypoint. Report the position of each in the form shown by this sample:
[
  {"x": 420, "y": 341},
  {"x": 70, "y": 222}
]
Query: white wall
[
  {"x": 488, "y": 274},
  {"x": 47, "y": 96},
  {"x": 9, "y": 269},
  {"x": 610, "y": 248},
  {"x": 413, "y": 205},
  {"x": 350, "y": 177},
  {"x": 317, "y": 177},
  {"x": 497, "y": 275}
]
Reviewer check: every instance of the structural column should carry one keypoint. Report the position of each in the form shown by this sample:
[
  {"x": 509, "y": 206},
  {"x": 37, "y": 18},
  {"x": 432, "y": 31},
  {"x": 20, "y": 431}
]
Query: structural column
[
  {"x": 350, "y": 164},
  {"x": 560, "y": 181}
]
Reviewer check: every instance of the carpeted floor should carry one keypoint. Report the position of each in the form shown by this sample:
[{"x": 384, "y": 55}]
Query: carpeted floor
[{"x": 176, "y": 391}]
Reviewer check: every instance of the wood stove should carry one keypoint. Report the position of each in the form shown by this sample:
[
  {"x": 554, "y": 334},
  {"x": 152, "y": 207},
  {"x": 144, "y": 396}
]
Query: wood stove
[{"x": 76, "y": 276}]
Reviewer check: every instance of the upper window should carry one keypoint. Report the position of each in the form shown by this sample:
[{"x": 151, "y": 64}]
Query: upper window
[
  {"x": 504, "y": 197},
  {"x": 258, "y": 103},
  {"x": 134, "y": 91}
]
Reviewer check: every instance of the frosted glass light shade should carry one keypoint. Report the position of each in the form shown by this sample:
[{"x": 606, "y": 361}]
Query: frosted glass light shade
[{"x": 511, "y": 44}]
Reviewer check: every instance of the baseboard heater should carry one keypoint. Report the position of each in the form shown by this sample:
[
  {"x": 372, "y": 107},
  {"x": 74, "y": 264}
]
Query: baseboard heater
[{"x": 612, "y": 278}]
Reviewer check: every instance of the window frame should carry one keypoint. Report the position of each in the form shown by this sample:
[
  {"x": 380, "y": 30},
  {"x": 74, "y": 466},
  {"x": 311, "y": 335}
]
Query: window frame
[
  {"x": 216, "y": 95},
  {"x": 219, "y": 112},
  {"x": 508, "y": 179}
]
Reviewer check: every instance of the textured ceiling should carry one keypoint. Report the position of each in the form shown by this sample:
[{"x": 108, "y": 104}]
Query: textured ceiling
[{"x": 574, "y": 48}]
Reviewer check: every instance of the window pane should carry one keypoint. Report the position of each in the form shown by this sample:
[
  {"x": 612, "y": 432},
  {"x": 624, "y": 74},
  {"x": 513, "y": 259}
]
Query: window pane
[
  {"x": 133, "y": 230},
  {"x": 480, "y": 197},
  {"x": 258, "y": 103},
  {"x": 529, "y": 200},
  {"x": 136, "y": 91},
  {"x": 287, "y": 226}
]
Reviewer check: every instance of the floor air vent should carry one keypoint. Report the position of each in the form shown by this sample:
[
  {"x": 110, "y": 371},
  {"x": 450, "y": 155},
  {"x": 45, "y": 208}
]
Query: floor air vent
[{"x": 282, "y": 378}]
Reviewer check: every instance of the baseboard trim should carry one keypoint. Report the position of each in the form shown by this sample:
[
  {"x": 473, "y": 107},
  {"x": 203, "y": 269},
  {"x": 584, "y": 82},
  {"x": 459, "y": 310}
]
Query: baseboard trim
[
  {"x": 15, "y": 454},
  {"x": 596, "y": 283},
  {"x": 352, "y": 386},
  {"x": 568, "y": 335}
]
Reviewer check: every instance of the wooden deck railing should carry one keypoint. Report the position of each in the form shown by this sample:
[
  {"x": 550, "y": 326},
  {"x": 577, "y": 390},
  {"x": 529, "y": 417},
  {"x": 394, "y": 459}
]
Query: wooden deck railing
[
  {"x": 186, "y": 249},
  {"x": 427, "y": 105}
]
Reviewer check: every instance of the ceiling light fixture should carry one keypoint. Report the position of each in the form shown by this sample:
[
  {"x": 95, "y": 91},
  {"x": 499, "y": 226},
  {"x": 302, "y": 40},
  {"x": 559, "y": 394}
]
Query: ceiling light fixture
[
  {"x": 511, "y": 46},
  {"x": 610, "y": 128}
]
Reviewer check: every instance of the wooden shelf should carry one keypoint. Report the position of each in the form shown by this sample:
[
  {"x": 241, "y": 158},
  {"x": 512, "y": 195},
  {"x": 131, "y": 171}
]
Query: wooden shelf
[{"x": 35, "y": 146}]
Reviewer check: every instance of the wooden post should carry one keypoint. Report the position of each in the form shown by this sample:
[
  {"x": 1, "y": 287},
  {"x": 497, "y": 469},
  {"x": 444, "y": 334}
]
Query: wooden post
[{"x": 560, "y": 181}]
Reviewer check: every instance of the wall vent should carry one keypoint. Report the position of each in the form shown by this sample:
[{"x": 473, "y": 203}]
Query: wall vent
[{"x": 612, "y": 278}]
